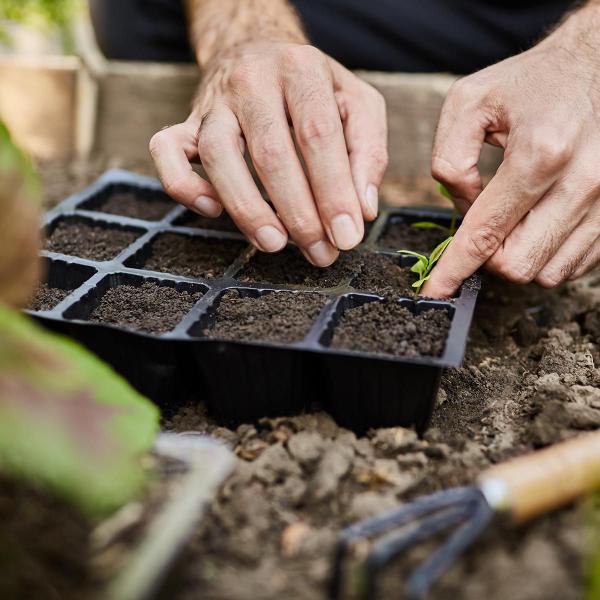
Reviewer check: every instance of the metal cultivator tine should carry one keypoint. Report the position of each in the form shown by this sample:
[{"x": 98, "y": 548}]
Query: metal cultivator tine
[
  {"x": 448, "y": 507},
  {"x": 426, "y": 574}
]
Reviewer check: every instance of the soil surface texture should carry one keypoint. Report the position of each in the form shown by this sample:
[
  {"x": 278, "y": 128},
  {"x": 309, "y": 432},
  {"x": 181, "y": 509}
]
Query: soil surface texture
[
  {"x": 44, "y": 546},
  {"x": 93, "y": 242},
  {"x": 192, "y": 256},
  {"x": 398, "y": 235},
  {"x": 150, "y": 307},
  {"x": 129, "y": 204},
  {"x": 388, "y": 328},
  {"x": 283, "y": 317},
  {"x": 222, "y": 223},
  {"x": 46, "y": 297},
  {"x": 289, "y": 267},
  {"x": 529, "y": 379},
  {"x": 383, "y": 274}
]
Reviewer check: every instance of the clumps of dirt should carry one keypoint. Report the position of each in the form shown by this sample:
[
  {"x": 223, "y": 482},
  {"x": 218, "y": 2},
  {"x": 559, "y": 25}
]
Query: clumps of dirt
[
  {"x": 94, "y": 242},
  {"x": 382, "y": 274},
  {"x": 192, "y": 256},
  {"x": 281, "y": 317},
  {"x": 399, "y": 235},
  {"x": 388, "y": 328},
  {"x": 44, "y": 546},
  {"x": 150, "y": 307},
  {"x": 131, "y": 204},
  {"x": 46, "y": 297},
  {"x": 289, "y": 267},
  {"x": 222, "y": 223}
]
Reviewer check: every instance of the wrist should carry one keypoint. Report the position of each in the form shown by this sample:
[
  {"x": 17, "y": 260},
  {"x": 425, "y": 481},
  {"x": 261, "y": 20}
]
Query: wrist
[{"x": 579, "y": 34}]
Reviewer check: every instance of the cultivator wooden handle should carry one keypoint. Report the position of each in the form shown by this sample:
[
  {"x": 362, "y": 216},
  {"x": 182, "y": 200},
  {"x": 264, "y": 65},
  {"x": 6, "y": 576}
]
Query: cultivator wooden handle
[{"x": 537, "y": 483}]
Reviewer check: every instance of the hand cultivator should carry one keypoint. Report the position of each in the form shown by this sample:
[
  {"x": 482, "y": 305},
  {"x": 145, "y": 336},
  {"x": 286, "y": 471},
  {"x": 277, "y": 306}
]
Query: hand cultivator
[{"x": 524, "y": 487}]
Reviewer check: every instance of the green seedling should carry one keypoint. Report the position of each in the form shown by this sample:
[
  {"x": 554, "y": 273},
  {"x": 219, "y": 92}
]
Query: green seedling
[
  {"x": 431, "y": 225},
  {"x": 425, "y": 264}
]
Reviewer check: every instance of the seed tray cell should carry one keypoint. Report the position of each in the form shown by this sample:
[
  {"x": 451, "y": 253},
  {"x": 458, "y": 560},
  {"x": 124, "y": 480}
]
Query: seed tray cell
[{"x": 245, "y": 379}]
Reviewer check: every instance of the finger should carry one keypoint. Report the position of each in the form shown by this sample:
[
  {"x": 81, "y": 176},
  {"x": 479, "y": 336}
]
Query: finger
[
  {"x": 574, "y": 257},
  {"x": 172, "y": 150},
  {"x": 265, "y": 128},
  {"x": 365, "y": 129},
  {"x": 540, "y": 234},
  {"x": 523, "y": 178},
  {"x": 219, "y": 148},
  {"x": 458, "y": 141},
  {"x": 590, "y": 261},
  {"x": 316, "y": 120}
]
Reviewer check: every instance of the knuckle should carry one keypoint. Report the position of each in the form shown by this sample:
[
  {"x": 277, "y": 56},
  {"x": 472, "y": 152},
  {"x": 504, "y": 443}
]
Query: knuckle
[
  {"x": 550, "y": 149},
  {"x": 242, "y": 76},
  {"x": 444, "y": 171},
  {"x": 380, "y": 159},
  {"x": 462, "y": 89},
  {"x": 483, "y": 242},
  {"x": 317, "y": 130},
  {"x": 268, "y": 153},
  {"x": 304, "y": 229},
  {"x": 300, "y": 55},
  {"x": 175, "y": 188},
  {"x": 516, "y": 271},
  {"x": 549, "y": 278},
  {"x": 156, "y": 143},
  {"x": 210, "y": 145}
]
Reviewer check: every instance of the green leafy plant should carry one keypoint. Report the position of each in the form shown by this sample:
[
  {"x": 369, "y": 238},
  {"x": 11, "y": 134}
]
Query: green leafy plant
[
  {"x": 68, "y": 423},
  {"x": 451, "y": 230},
  {"x": 42, "y": 14},
  {"x": 425, "y": 263}
]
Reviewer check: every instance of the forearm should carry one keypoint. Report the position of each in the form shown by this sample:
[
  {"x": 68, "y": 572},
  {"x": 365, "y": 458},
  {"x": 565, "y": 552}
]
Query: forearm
[{"x": 218, "y": 26}]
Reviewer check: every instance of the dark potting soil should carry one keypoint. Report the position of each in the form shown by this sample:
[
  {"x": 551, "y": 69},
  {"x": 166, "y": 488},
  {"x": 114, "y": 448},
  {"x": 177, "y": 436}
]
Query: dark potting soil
[
  {"x": 401, "y": 236},
  {"x": 290, "y": 267},
  {"x": 388, "y": 328},
  {"x": 382, "y": 274},
  {"x": 283, "y": 317},
  {"x": 46, "y": 297},
  {"x": 222, "y": 223},
  {"x": 93, "y": 242},
  {"x": 192, "y": 256},
  {"x": 128, "y": 204},
  {"x": 150, "y": 307},
  {"x": 44, "y": 546}
]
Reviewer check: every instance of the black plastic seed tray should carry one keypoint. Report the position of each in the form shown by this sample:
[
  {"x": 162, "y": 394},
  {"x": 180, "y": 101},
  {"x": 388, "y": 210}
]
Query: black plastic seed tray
[{"x": 242, "y": 381}]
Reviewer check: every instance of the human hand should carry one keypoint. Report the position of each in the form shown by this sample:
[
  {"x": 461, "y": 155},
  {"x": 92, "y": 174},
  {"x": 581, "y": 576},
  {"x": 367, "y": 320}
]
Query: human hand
[
  {"x": 250, "y": 96},
  {"x": 539, "y": 217}
]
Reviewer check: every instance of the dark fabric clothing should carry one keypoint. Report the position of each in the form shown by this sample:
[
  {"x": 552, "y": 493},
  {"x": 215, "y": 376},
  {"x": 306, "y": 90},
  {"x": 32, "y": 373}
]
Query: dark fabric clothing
[{"x": 459, "y": 36}]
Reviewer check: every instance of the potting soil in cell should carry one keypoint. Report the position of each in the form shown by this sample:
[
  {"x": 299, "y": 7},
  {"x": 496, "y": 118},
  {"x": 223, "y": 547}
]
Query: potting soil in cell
[
  {"x": 192, "y": 256},
  {"x": 388, "y": 328},
  {"x": 273, "y": 317},
  {"x": 94, "y": 242},
  {"x": 150, "y": 307},
  {"x": 127, "y": 204}
]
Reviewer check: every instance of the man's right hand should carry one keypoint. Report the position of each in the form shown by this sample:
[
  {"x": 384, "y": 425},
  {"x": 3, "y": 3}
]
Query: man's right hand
[{"x": 322, "y": 187}]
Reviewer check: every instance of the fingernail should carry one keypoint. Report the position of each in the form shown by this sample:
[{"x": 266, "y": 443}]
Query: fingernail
[
  {"x": 344, "y": 231},
  {"x": 322, "y": 254},
  {"x": 270, "y": 239},
  {"x": 207, "y": 206},
  {"x": 372, "y": 200}
]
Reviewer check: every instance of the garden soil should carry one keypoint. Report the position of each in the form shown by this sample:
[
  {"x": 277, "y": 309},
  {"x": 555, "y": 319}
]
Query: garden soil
[{"x": 530, "y": 378}]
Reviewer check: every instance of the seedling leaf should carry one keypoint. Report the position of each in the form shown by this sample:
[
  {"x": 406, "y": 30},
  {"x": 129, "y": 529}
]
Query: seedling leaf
[
  {"x": 425, "y": 264},
  {"x": 428, "y": 225}
]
